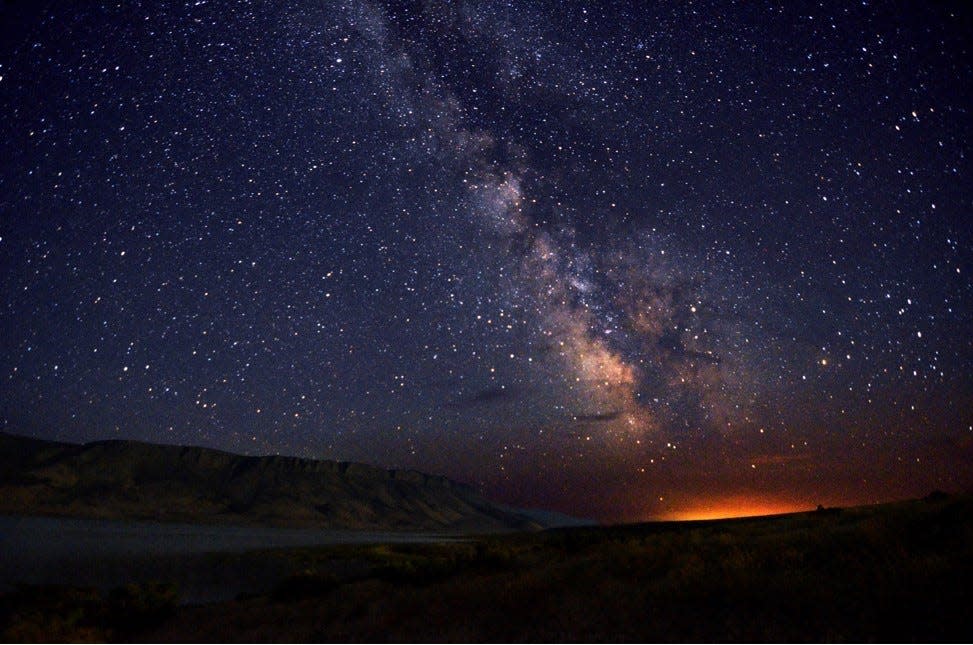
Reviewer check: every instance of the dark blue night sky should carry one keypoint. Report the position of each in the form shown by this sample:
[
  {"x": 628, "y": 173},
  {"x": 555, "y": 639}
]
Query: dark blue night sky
[{"x": 622, "y": 261}]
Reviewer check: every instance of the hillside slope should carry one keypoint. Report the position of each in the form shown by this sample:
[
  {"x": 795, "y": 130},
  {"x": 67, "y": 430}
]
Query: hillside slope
[{"x": 134, "y": 480}]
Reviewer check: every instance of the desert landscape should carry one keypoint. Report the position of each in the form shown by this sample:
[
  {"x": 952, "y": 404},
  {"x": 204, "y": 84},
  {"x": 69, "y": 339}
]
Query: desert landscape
[{"x": 889, "y": 572}]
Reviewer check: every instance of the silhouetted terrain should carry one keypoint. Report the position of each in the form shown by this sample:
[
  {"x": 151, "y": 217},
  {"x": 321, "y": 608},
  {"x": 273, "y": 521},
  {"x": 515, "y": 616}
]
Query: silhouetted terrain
[
  {"x": 895, "y": 572},
  {"x": 133, "y": 480}
]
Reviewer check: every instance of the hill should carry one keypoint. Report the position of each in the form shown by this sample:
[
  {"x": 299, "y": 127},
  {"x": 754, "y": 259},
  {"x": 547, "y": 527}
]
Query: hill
[{"x": 135, "y": 480}]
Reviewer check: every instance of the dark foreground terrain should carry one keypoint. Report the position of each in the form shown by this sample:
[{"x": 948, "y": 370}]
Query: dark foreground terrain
[
  {"x": 897, "y": 572},
  {"x": 205, "y": 562}
]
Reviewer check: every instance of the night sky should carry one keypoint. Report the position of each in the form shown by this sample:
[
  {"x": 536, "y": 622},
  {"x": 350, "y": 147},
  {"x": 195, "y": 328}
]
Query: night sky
[{"x": 621, "y": 261}]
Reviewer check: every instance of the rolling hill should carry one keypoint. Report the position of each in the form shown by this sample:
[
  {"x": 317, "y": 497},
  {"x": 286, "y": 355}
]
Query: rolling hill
[{"x": 134, "y": 480}]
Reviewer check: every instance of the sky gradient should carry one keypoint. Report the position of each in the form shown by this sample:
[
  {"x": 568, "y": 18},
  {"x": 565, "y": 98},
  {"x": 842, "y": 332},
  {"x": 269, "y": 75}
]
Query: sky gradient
[{"x": 619, "y": 261}]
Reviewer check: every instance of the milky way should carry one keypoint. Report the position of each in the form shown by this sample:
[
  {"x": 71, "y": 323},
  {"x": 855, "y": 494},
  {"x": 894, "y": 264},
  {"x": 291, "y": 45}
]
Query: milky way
[{"x": 619, "y": 261}]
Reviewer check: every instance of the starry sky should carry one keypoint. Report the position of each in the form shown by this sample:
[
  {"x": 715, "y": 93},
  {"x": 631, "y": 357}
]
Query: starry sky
[{"x": 618, "y": 260}]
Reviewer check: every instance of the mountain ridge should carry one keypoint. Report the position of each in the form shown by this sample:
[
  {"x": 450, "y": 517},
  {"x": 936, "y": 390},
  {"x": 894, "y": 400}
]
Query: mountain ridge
[{"x": 125, "y": 479}]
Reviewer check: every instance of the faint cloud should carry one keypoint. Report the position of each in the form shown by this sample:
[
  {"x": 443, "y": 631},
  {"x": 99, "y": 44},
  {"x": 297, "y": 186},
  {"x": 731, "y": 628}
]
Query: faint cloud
[{"x": 485, "y": 397}]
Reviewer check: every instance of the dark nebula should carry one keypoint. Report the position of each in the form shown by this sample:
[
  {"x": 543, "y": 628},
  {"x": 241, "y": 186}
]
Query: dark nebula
[{"x": 620, "y": 260}]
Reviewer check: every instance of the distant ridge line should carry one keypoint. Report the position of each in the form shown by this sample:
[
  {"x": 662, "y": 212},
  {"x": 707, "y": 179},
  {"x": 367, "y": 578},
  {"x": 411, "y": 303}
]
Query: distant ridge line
[{"x": 127, "y": 479}]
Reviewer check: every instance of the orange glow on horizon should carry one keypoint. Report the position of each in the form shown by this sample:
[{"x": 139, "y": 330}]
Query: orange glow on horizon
[{"x": 732, "y": 508}]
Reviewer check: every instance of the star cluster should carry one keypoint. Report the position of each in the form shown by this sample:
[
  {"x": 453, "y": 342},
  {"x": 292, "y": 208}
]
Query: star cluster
[{"x": 618, "y": 260}]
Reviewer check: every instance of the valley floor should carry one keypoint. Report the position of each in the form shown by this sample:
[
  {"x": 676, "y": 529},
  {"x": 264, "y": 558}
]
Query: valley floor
[{"x": 896, "y": 572}]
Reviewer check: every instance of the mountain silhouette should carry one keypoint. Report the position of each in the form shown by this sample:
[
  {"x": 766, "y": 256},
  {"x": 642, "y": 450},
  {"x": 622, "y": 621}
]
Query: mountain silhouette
[{"x": 136, "y": 480}]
